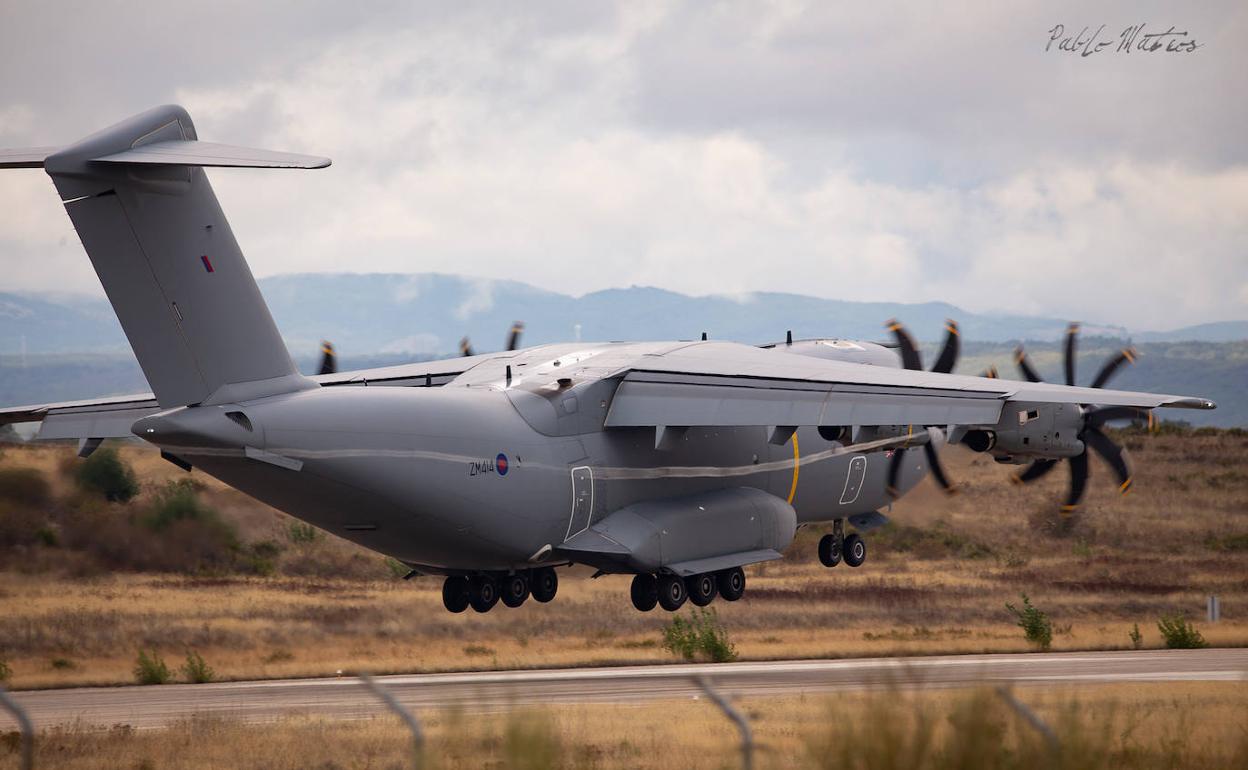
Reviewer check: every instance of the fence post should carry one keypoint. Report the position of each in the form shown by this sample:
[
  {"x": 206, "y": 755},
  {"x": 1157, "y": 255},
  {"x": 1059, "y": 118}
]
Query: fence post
[
  {"x": 409, "y": 719},
  {"x": 1214, "y": 609},
  {"x": 1031, "y": 718},
  {"x": 743, "y": 724},
  {"x": 28, "y": 730}
]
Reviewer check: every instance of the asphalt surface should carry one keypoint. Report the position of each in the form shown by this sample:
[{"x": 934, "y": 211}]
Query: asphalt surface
[{"x": 348, "y": 698}]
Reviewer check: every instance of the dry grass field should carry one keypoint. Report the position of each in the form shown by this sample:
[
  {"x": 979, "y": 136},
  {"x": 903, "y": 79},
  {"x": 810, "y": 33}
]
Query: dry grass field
[
  {"x": 936, "y": 581},
  {"x": 1172, "y": 725}
]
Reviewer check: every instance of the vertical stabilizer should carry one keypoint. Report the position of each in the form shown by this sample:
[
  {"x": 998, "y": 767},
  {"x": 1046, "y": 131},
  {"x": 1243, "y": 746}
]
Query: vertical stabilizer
[{"x": 150, "y": 222}]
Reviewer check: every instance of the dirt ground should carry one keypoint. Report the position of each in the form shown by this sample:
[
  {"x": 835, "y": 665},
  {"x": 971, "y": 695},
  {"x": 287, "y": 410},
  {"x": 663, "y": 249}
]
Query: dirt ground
[{"x": 936, "y": 581}]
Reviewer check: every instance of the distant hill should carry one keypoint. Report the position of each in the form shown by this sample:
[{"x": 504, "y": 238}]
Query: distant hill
[
  {"x": 1224, "y": 331},
  {"x": 427, "y": 313},
  {"x": 74, "y": 347}
]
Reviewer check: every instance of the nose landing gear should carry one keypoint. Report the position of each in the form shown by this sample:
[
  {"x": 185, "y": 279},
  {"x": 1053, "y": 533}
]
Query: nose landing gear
[{"x": 837, "y": 546}]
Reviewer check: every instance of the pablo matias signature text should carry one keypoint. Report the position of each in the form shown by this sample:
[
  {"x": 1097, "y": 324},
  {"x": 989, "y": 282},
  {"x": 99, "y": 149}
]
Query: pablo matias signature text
[{"x": 1136, "y": 37}]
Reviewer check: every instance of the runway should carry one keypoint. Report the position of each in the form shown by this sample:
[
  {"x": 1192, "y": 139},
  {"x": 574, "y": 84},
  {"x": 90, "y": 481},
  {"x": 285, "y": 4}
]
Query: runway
[{"x": 347, "y": 698}]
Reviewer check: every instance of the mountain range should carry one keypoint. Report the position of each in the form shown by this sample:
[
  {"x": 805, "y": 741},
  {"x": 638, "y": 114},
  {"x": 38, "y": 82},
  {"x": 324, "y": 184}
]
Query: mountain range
[
  {"x": 427, "y": 314},
  {"x": 65, "y": 347}
]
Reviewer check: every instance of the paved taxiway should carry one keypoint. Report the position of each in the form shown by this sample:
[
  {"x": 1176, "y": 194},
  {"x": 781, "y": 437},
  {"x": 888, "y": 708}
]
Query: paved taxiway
[{"x": 346, "y": 698}]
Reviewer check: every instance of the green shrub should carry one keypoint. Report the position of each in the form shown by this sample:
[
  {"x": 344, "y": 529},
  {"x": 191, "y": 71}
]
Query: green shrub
[
  {"x": 25, "y": 486},
  {"x": 5, "y": 671},
  {"x": 176, "y": 501},
  {"x": 105, "y": 473},
  {"x": 195, "y": 670},
  {"x": 62, "y": 664},
  {"x": 396, "y": 568},
  {"x": 1137, "y": 639},
  {"x": 701, "y": 635},
  {"x": 260, "y": 558},
  {"x": 151, "y": 669},
  {"x": 301, "y": 533},
  {"x": 1179, "y": 634},
  {"x": 1035, "y": 624}
]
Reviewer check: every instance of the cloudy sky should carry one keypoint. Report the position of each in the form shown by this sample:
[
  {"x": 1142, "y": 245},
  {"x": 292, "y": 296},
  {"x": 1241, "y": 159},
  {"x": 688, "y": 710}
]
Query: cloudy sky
[{"x": 857, "y": 151}]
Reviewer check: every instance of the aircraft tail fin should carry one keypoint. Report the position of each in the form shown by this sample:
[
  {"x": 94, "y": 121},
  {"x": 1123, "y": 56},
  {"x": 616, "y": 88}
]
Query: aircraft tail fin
[{"x": 155, "y": 233}]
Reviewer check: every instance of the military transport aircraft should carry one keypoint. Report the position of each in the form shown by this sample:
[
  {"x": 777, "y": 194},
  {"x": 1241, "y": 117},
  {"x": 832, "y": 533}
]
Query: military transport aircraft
[{"x": 678, "y": 462}]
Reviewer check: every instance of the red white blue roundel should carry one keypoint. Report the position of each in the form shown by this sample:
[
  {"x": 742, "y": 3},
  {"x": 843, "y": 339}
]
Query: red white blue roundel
[{"x": 500, "y": 464}]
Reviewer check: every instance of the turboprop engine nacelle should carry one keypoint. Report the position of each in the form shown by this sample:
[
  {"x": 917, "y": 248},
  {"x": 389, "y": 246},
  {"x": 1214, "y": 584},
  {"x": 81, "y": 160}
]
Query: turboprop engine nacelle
[{"x": 1031, "y": 430}]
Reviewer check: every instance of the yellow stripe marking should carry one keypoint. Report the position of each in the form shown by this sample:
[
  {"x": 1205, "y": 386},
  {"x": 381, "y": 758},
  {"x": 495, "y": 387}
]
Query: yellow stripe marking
[{"x": 797, "y": 467}]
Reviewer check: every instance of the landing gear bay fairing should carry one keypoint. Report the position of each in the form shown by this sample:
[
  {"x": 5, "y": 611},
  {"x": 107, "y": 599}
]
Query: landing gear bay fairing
[{"x": 677, "y": 462}]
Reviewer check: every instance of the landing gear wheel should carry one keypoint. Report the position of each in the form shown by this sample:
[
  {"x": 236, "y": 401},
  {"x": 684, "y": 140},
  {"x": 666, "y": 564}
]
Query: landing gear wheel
[
  {"x": 701, "y": 588},
  {"x": 455, "y": 593},
  {"x": 830, "y": 550},
  {"x": 731, "y": 583},
  {"x": 515, "y": 590},
  {"x": 545, "y": 584},
  {"x": 645, "y": 592},
  {"x": 483, "y": 593},
  {"x": 855, "y": 551},
  {"x": 672, "y": 592}
]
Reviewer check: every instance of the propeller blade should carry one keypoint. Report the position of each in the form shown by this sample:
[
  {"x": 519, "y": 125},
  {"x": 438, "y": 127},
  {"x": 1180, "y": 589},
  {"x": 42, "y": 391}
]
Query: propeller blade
[
  {"x": 1078, "y": 482},
  {"x": 513, "y": 339},
  {"x": 1099, "y": 417},
  {"x": 1034, "y": 471},
  {"x": 329, "y": 360},
  {"x": 938, "y": 473},
  {"x": 1111, "y": 453},
  {"x": 1072, "y": 338},
  {"x": 949, "y": 353},
  {"x": 465, "y": 347},
  {"x": 1125, "y": 356},
  {"x": 905, "y": 343},
  {"x": 894, "y": 471},
  {"x": 1024, "y": 365}
]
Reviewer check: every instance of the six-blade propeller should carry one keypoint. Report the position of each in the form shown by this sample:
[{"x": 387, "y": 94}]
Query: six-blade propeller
[
  {"x": 911, "y": 359},
  {"x": 1090, "y": 432}
]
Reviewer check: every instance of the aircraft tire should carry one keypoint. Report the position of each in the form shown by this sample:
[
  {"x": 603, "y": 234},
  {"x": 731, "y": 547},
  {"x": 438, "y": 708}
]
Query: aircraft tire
[
  {"x": 672, "y": 593},
  {"x": 483, "y": 594},
  {"x": 544, "y": 584},
  {"x": 731, "y": 583},
  {"x": 514, "y": 589},
  {"x": 702, "y": 588},
  {"x": 855, "y": 549},
  {"x": 644, "y": 592},
  {"x": 455, "y": 593},
  {"x": 829, "y": 551}
]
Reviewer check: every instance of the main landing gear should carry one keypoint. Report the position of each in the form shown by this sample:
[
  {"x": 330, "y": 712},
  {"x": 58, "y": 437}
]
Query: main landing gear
[
  {"x": 671, "y": 591},
  {"x": 482, "y": 592},
  {"x": 837, "y": 546}
]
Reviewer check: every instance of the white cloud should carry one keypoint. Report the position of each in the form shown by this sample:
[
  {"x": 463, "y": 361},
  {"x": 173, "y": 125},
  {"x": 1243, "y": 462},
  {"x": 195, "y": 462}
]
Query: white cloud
[{"x": 870, "y": 155}]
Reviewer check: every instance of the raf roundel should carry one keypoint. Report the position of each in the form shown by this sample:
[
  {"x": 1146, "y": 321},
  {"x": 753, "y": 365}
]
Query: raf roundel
[{"x": 500, "y": 464}]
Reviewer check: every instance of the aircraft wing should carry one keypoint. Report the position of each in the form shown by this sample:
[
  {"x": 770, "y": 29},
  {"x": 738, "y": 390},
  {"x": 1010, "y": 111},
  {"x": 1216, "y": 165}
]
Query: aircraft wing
[
  {"x": 727, "y": 384},
  {"x": 112, "y": 416}
]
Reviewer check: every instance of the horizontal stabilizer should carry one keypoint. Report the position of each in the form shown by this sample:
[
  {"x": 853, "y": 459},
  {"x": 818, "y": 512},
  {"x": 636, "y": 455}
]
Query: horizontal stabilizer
[
  {"x": 25, "y": 157},
  {"x": 185, "y": 152}
]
